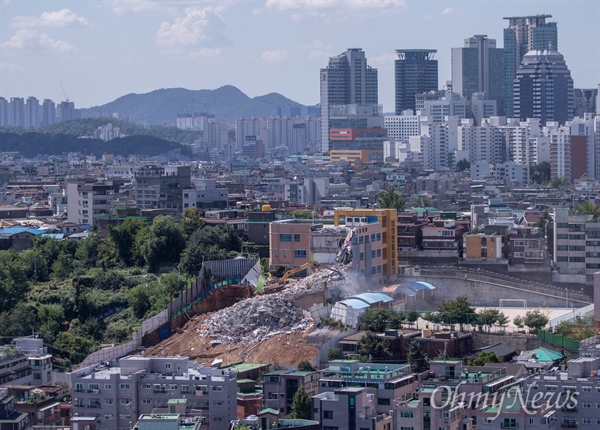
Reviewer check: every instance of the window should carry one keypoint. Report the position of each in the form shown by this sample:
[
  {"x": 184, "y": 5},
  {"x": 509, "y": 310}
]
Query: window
[
  {"x": 108, "y": 401},
  {"x": 328, "y": 415},
  {"x": 587, "y": 420},
  {"x": 146, "y": 386},
  {"x": 509, "y": 423},
  {"x": 551, "y": 387},
  {"x": 217, "y": 388},
  {"x": 300, "y": 253},
  {"x": 296, "y": 237},
  {"x": 146, "y": 401},
  {"x": 124, "y": 402},
  {"x": 108, "y": 386},
  {"x": 407, "y": 414},
  {"x": 531, "y": 420},
  {"x": 284, "y": 237},
  {"x": 587, "y": 404},
  {"x": 383, "y": 401},
  {"x": 217, "y": 419},
  {"x": 124, "y": 386},
  {"x": 167, "y": 365}
]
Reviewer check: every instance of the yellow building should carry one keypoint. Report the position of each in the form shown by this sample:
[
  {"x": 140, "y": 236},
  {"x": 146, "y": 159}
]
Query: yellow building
[
  {"x": 481, "y": 245},
  {"x": 388, "y": 218},
  {"x": 352, "y": 156}
]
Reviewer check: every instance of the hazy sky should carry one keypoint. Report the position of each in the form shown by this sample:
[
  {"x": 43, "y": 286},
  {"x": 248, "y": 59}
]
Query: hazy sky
[{"x": 103, "y": 49}]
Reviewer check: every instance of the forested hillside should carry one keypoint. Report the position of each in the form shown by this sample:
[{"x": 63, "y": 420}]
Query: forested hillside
[{"x": 80, "y": 294}]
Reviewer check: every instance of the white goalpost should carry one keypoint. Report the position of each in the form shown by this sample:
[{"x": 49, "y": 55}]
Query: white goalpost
[{"x": 513, "y": 303}]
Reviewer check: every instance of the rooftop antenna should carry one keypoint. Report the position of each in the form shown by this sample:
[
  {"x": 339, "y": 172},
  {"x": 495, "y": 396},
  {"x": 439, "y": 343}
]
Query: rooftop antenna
[{"x": 64, "y": 92}]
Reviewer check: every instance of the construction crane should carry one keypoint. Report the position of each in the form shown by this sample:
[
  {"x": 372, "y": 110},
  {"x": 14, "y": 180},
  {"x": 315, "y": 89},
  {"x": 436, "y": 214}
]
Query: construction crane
[
  {"x": 306, "y": 266},
  {"x": 64, "y": 92}
]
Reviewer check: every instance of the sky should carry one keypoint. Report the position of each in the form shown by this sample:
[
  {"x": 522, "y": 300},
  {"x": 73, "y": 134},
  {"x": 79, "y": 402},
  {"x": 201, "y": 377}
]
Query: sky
[{"x": 103, "y": 49}]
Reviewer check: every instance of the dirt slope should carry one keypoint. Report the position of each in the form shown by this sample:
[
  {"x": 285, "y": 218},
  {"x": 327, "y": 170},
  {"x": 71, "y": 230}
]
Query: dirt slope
[{"x": 284, "y": 349}]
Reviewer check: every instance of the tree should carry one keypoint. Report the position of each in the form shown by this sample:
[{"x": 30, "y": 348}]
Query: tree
[
  {"x": 206, "y": 244},
  {"x": 305, "y": 366},
  {"x": 378, "y": 320},
  {"x": 63, "y": 266},
  {"x": 535, "y": 319},
  {"x": 391, "y": 199},
  {"x": 487, "y": 317},
  {"x": 540, "y": 173},
  {"x": 456, "y": 311},
  {"x": 302, "y": 214},
  {"x": 543, "y": 219},
  {"x": 138, "y": 299},
  {"x": 79, "y": 347},
  {"x": 370, "y": 345},
  {"x": 51, "y": 317},
  {"x": 587, "y": 208},
  {"x": 190, "y": 222},
  {"x": 518, "y": 321},
  {"x": 334, "y": 354},
  {"x": 88, "y": 251},
  {"x": 502, "y": 321},
  {"x": 416, "y": 358},
  {"x": 412, "y": 316},
  {"x": 301, "y": 405},
  {"x": 161, "y": 244},
  {"x": 558, "y": 182},
  {"x": 483, "y": 359},
  {"x": 124, "y": 236},
  {"x": 463, "y": 165},
  {"x": 422, "y": 202}
]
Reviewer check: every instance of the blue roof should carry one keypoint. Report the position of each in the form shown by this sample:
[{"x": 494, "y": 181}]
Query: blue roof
[
  {"x": 371, "y": 298},
  {"x": 354, "y": 303},
  {"x": 419, "y": 285},
  {"x": 21, "y": 229}
]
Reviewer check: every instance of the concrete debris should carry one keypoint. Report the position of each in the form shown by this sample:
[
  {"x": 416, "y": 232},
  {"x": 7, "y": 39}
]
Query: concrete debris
[{"x": 257, "y": 318}]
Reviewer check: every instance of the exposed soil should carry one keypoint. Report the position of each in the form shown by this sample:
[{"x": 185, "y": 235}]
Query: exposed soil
[{"x": 286, "y": 349}]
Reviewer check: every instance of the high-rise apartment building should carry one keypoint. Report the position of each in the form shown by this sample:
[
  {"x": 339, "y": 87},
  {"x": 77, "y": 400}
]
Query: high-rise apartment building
[
  {"x": 416, "y": 71},
  {"x": 478, "y": 67},
  {"x": 16, "y": 113},
  {"x": 543, "y": 88},
  {"x": 347, "y": 79},
  {"x": 32, "y": 112},
  {"x": 524, "y": 33},
  {"x": 48, "y": 115},
  {"x": 4, "y": 107}
]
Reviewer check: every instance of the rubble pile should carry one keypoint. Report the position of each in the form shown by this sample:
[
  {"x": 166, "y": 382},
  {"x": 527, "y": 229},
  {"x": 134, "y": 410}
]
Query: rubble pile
[{"x": 255, "y": 319}]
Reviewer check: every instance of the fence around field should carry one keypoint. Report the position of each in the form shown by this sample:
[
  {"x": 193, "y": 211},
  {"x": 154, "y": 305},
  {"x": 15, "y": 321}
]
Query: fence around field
[
  {"x": 558, "y": 340},
  {"x": 503, "y": 280}
]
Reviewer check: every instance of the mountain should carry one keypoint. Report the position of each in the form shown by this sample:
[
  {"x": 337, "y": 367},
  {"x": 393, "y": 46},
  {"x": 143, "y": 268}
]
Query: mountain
[{"x": 162, "y": 106}]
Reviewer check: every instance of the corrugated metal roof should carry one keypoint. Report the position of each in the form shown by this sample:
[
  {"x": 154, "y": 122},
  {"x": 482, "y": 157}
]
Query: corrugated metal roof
[
  {"x": 354, "y": 303},
  {"x": 419, "y": 285},
  {"x": 371, "y": 298}
]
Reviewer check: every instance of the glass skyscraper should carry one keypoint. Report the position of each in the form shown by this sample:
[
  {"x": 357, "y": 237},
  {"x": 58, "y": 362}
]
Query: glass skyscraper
[
  {"x": 346, "y": 80},
  {"x": 524, "y": 33},
  {"x": 416, "y": 72}
]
